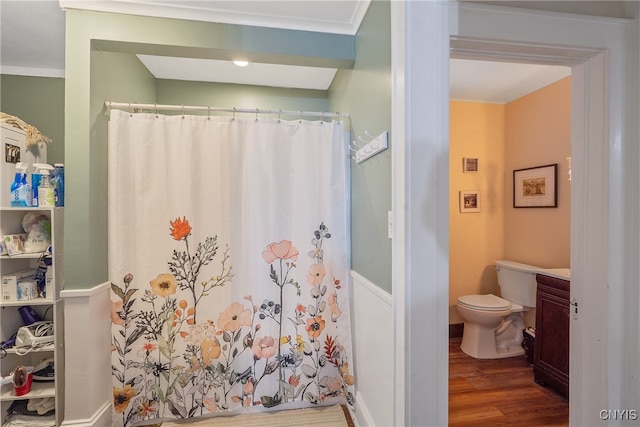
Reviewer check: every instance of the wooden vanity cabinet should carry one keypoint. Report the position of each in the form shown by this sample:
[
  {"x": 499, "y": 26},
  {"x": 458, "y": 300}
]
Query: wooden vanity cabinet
[{"x": 551, "y": 352}]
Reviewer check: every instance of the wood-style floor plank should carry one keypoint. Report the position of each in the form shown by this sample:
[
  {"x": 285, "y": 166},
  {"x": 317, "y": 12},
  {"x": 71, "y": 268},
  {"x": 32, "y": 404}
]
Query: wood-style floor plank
[{"x": 499, "y": 392}]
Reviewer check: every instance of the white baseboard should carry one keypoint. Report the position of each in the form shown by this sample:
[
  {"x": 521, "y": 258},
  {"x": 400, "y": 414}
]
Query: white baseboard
[
  {"x": 101, "y": 418},
  {"x": 361, "y": 416}
]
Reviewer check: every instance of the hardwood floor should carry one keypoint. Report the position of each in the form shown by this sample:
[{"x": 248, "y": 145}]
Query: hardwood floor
[{"x": 499, "y": 392}]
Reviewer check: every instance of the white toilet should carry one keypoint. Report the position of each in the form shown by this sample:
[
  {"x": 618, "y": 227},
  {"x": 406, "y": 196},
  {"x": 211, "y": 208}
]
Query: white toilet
[{"x": 493, "y": 326}]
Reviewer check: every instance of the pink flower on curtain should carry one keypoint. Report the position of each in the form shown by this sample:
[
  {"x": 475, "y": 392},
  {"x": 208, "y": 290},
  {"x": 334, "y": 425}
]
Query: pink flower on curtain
[
  {"x": 315, "y": 274},
  {"x": 235, "y": 317},
  {"x": 282, "y": 250},
  {"x": 264, "y": 348}
]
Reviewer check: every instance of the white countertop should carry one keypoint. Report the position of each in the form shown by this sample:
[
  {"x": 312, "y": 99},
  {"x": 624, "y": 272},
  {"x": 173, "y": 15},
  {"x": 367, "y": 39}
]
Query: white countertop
[{"x": 558, "y": 273}]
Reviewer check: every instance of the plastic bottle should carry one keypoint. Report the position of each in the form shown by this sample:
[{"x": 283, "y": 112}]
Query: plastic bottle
[
  {"x": 21, "y": 195},
  {"x": 59, "y": 183},
  {"x": 35, "y": 181},
  {"x": 46, "y": 192}
]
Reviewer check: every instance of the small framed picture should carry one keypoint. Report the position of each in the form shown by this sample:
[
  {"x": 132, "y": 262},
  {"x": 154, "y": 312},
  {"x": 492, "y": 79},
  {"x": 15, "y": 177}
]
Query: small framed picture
[
  {"x": 536, "y": 187},
  {"x": 469, "y": 201},
  {"x": 469, "y": 164}
]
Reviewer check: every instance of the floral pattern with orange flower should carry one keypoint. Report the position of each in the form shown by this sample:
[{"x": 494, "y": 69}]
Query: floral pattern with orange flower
[
  {"x": 294, "y": 380},
  {"x": 164, "y": 285},
  {"x": 122, "y": 396},
  {"x": 117, "y": 313},
  {"x": 180, "y": 228},
  {"x": 234, "y": 317},
  {"x": 344, "y": 371},
  {"x": 218, "y": 365},
  {"x": 210, "y": 350},
  {"x": 315, "y": 326},
  {"x": 335, "y": 309},
  {"x": 146, "y": 408},
  {"x": 282, "y": 250}
]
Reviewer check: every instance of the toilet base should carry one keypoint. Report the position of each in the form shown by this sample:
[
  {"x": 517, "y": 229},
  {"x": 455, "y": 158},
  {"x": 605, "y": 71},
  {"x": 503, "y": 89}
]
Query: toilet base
[{"x": 480, "y": 343}]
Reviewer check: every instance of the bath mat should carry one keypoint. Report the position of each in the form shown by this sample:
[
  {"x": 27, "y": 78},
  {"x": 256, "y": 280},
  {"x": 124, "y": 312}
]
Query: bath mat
[{"x": 328, "y": 416}]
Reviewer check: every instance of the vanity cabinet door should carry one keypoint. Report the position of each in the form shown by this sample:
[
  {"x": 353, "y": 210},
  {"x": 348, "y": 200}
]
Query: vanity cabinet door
[{"x": 551, "y": 353}]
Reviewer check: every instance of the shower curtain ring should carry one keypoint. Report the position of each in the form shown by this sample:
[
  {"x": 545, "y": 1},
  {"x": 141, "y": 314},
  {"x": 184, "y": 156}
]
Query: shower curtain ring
[
  {"x": 183, "y": 111},
  {"x": 130, "y": 113},
  {"x": 156, "y": 108},
  {"x": 208, "y": 113},
  {"x": 233, "y": 117},
  {"x": 257, "y": 114}
]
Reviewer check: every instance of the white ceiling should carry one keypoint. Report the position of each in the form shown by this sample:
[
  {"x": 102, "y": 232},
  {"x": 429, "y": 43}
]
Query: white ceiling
[{"x": 32, "y": 43}]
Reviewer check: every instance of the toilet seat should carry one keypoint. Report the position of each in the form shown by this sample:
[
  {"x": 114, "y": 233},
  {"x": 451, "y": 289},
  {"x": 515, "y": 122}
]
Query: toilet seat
[{"x": 487, "y": 302}]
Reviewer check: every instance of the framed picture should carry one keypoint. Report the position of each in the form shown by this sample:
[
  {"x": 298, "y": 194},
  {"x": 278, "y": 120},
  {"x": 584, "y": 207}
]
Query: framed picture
[
  {"x": 536, "y": 187},
  {"x": 469, "y": 164},
  {"x": 469, "y": 201}
]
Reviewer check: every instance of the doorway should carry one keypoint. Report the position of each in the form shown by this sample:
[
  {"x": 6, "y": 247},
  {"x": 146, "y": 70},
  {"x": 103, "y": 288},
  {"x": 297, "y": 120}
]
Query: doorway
[
  {"x": 518, "y": 116},
  {"x": 604, "y": 100}
]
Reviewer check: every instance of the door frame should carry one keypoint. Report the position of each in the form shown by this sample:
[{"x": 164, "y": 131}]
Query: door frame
[{"x": 598, "y": 50}]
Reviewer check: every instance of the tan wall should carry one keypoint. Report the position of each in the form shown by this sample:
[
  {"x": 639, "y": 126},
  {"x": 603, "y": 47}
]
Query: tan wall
[
  {"x": 531, "y": 131},
  {"x": 476, "y": 240},
  {"x": 538, "y": 132}
]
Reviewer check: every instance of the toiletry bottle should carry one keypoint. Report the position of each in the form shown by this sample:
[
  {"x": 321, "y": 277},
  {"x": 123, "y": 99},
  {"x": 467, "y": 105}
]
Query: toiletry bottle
[
  {"x": 20, "y": 189},
  {"x": 59, "y": 183},
  {"x": 35, "y": 181},
  {"x": 46, "y": 193}
]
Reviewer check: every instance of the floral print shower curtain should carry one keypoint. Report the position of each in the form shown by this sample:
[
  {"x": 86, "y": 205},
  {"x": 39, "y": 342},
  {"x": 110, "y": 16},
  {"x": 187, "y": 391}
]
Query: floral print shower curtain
[{"x": 228, "y": 261}]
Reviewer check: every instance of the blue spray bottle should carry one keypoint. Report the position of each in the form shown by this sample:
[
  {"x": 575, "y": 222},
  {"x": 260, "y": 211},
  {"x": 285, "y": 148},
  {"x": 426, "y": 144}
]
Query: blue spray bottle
[{"x": 21, "y": 195}]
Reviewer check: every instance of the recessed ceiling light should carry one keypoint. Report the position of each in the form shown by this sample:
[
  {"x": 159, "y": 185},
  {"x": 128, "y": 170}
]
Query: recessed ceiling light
[{"x": 241, "y": 62}]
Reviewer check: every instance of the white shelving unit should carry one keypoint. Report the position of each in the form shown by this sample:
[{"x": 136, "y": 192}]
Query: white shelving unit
[{"x": 49, "y": 308}]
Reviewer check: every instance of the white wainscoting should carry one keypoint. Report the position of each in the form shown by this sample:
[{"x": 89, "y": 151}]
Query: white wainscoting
[
  {"x": 373, "y": 353},
  {"x": 88, "y": 392}
]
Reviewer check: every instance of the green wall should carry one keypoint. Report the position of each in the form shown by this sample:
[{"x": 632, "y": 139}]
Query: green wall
[
  {"x": 102, "y": 66},
  {"x": 176, "y": 92},
  {"x": 93, "y": 77},
  {"x": 39, "y": 101},
  {"x": 365, "y": 92}
]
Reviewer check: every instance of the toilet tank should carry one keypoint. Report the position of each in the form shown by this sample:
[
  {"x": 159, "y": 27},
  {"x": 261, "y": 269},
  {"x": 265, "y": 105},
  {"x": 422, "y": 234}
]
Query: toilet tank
[{"x": 517, "y": 282}]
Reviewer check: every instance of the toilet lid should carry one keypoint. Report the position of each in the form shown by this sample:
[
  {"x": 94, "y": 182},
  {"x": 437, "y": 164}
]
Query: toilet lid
[{"x": 487, "y": 302}]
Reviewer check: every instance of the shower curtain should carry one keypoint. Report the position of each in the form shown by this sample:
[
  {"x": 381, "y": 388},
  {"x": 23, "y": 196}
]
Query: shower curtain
[{"x": 228, "y": 262}]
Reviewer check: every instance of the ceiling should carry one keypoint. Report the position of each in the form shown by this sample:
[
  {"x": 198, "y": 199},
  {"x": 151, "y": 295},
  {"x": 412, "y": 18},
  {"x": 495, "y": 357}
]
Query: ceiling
[{"x": 32, "y": 43}]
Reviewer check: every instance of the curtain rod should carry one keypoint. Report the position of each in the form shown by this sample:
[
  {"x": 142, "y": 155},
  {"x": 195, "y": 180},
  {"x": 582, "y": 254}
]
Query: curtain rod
[{"x": 183, "y": 108}]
